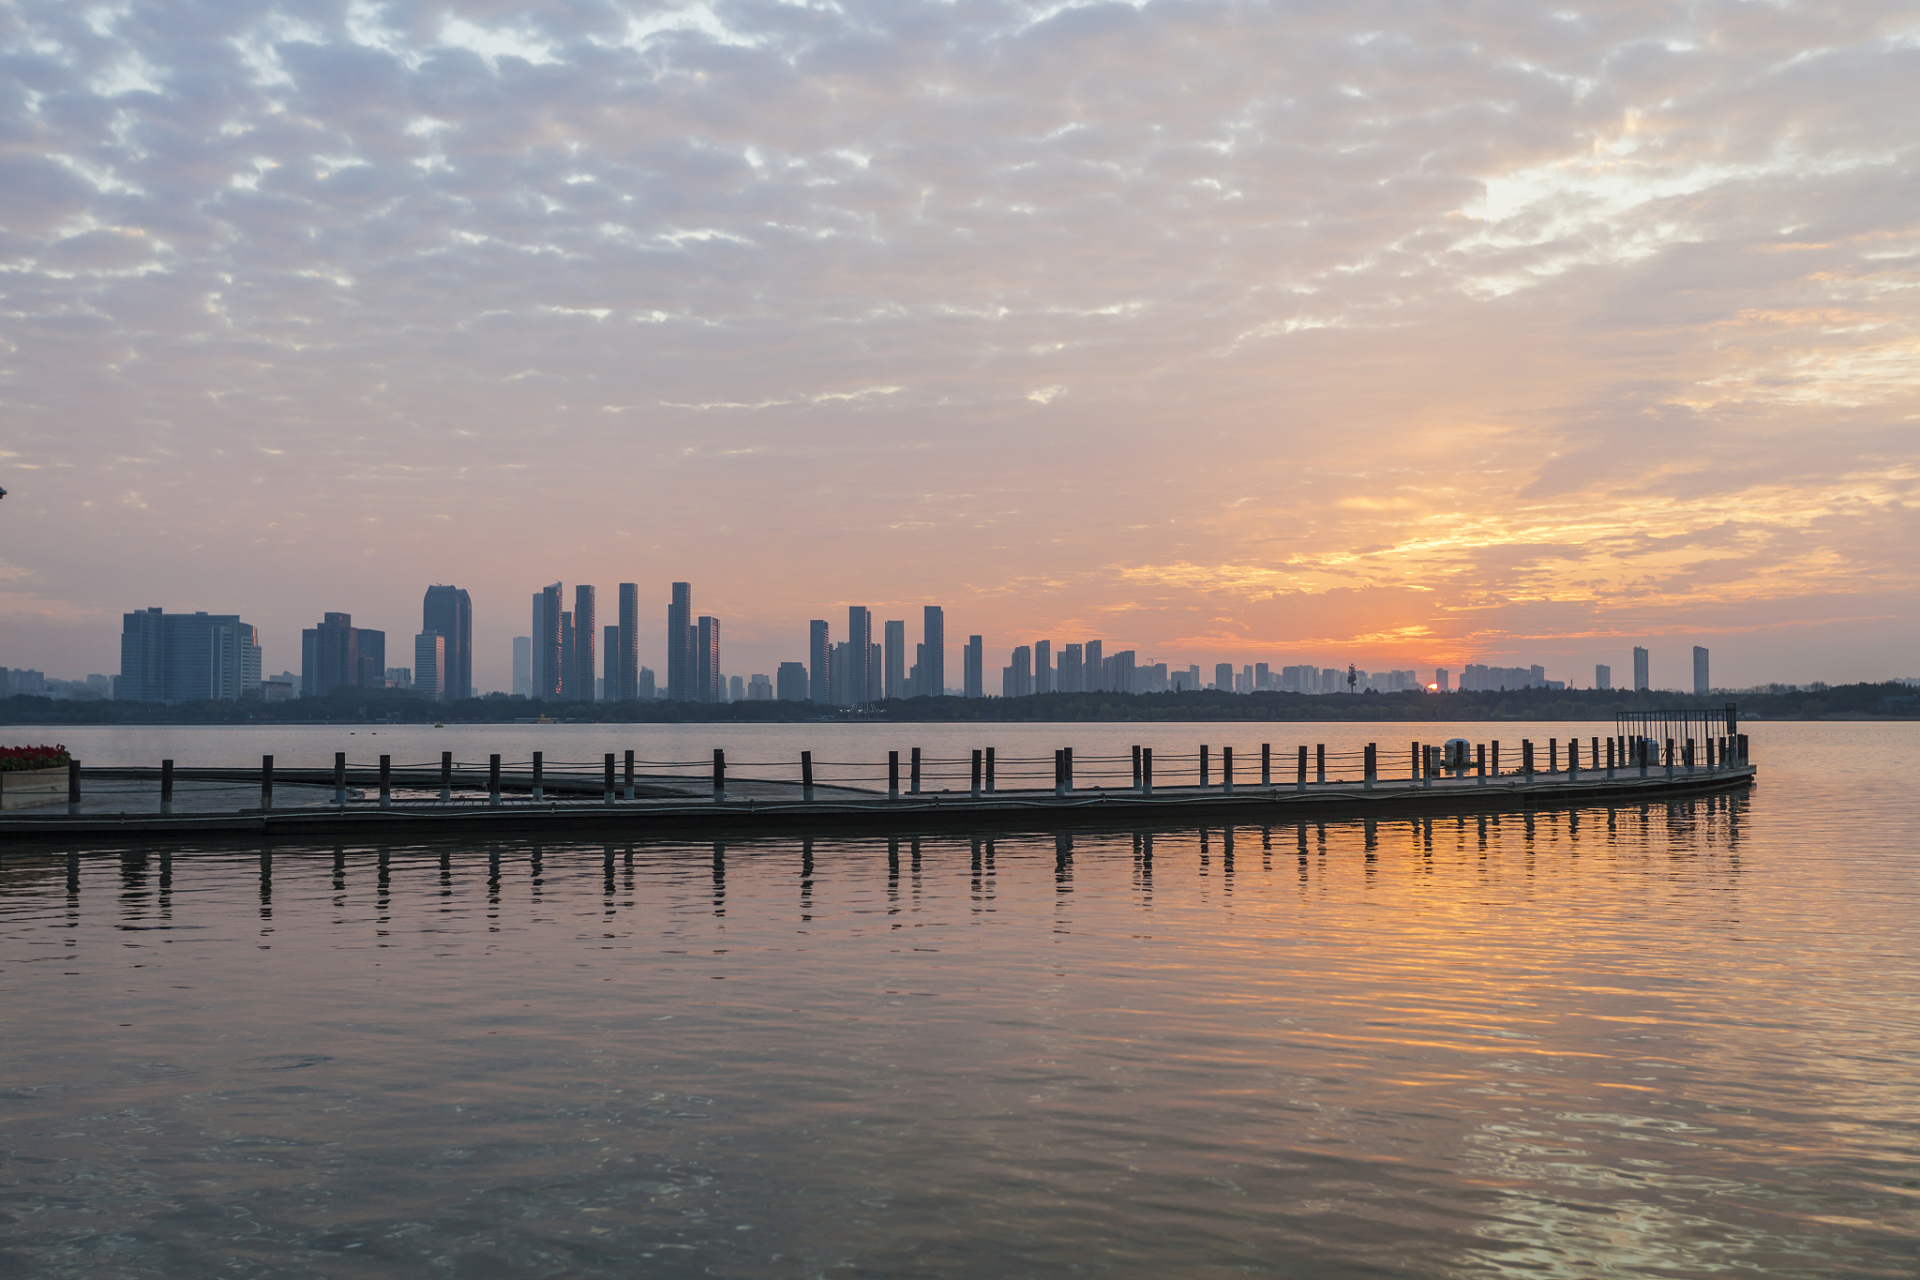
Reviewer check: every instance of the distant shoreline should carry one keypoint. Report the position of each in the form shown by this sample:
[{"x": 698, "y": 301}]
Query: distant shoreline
[{"x": 1888, "y": 700}]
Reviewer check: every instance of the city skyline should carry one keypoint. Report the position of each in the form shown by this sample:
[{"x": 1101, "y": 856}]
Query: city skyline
[{"x": 1599, "y": 334}]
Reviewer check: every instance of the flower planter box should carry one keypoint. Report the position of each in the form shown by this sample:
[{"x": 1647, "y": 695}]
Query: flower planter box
[{"x": 32, "y": 787}]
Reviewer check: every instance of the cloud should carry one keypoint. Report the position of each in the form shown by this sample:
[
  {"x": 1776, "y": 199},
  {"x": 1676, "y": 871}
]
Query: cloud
[{"x": 1606, "y": 307}]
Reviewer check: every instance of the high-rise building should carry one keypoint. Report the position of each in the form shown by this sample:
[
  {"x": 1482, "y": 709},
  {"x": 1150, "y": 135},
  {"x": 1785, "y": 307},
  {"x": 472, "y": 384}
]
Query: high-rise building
[
  {"x": 708, "y": 680},
  {"x": 1701, "y": 684},
  {"x": 1223, "y": 676},
  {"x": 895, "y": 661},
  {"x": 449, "y": 611},
  {"x": 1093, "y": 668},
  {"x": 610, "y": 664},
  {"x": 973, "y": 669},
  {"x": 581, "y": 668},
  {"x": 1119, "y": 672},
  {"x": 1262, "y": 676},
  {"x": 1640, "y": 664},
  {"x": 837, "y": 687},
  {"x": 1442, "y": 680},
  {"x": 933, "y": 661},
  {"x": 680, "y": 644},
  {"x": 1043, "y": 666},
  {"x": 860, "y": 637},
  {"x": 1016, "y": 679},
  {"x": 547, "y": 643},
  {"x": 1602, "y": 676},
  {"x": 330, "y": 656},
  {"x": 623, "y": 679},
  {"x": 648, "y": 689},
  {"x": 1067, "y": 675},
  {"x": 759, "y": 689},
  {"x": 430, "y": 663},
  {"x": 523, "y": 665},
  {"x": 737, "y": 689},
  {"x": 187, "y": 657},
  {"x": 876, "y": 686},
  {"x": 790, "y": 682},
  {"x": 819, "y": 663}
]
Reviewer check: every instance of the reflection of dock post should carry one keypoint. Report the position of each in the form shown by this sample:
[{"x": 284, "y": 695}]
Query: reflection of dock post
[
  {"x": 266, "y": 783},
  {"x": 806, "y": 776},
  {"x": 493, "y": 781}
]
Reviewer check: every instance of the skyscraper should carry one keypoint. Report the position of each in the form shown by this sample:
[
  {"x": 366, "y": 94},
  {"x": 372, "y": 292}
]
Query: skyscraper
[
  {"x": 876, "y": 686},
  {"x": 546, "y": 643},
  {"x": 187, "y": 657},
  {"x": 680, "y": 682},
  {"x": 568, "y": 683},
  {"x": 1701, "y": 684},
  {"x": 1093, "y": 671},
  {"x": 895, "y": 660},
  {"x": 1223, "y": 676},
  {"x": 1043, "y": 666},
  {"x": 790, "y": 682},
  {"x": 623, "y": 681},
  {"x": 610, "y": 664},
  {"x": 429, "y": 665},
  {"x": 1070, "y": 675},
  {"x": 860, "y": 642},
  {"x": 336, "y": 653},
  {"x": 819, "y": 663},
  {"x": 523, "y": 665},
  {"x": 972, "y": 669},
  {"x": 585, "y": 668},
  {"x": 449, "y": 611},
  {"x": 933, "y": 662},
  {"x": 1640, "y": 680},
  {"x": 1016, "y": 679},
  {"x": 709, "y": 683},
  {"x": 1602, "y": 676}
]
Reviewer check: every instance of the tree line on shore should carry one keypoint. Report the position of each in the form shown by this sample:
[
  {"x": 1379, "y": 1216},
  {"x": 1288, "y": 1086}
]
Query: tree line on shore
[{"x": 1887, "y": 700}]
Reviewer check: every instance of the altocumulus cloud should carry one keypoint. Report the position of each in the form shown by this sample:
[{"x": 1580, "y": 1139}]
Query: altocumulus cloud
[{"x": 1526, "y": 328}]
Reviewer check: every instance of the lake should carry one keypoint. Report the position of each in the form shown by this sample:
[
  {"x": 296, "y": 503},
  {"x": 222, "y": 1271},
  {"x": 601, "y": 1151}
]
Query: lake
[{"x": 1671, "y": 1040}]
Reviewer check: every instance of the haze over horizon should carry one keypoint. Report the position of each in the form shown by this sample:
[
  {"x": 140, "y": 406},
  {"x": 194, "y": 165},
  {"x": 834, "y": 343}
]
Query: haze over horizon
[{"x": 1403, "y": 335}]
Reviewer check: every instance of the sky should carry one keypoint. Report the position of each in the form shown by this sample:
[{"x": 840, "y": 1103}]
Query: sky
[{"x": 1401, "y": 334}]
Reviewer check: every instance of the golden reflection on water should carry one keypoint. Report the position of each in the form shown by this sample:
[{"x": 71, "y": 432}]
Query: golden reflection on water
[{"x": 1560, "y": 1043}]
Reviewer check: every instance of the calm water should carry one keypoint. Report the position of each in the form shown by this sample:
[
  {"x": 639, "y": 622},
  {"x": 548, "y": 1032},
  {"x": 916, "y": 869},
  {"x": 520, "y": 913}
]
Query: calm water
[{"x": 1666, "y": 1042}]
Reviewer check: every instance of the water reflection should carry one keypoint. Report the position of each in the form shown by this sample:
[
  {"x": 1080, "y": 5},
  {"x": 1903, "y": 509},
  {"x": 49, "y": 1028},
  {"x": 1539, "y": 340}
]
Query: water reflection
[{"x": 1481, "y": 1045}]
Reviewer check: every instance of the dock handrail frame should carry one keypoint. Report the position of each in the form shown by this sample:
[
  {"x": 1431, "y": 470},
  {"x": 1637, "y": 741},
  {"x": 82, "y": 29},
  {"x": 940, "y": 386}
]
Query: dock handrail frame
[{"x": 1679, "y": 723}]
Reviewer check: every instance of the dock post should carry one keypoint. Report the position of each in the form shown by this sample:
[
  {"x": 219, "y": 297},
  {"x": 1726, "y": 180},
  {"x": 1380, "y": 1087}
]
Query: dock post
[
  {"x": 493, "y": 781},
  {"x": 73, "y": 786},
  {"x": 1059, "y": 774},
  {"x": 1596, "y": 759},
  {"x": 1372, "y": 766},
  {"x": 719, "y": 775},
  {"x": 1226, "y": 771},
  {"x": 1146, "y": 771},
  {"x": 1480, "y": 763},
  {"x": 1136, "y": 766},
  {"x": 1526, "y": 758},
  {"x": 893, "y": 775},
  {"x": 806, "y": 776},
  {"x": 1686, "y": 755},
  {"x": 629, "y": 775},
  {"x": 1573, "y": 759},
  {"x": 913, "y": 778},
  {"x": 386, "y": 782},
  {"x": 1743, "y": 751},
  {"x": 1066, "y": 757},
  {"x": 539, "y": 774},
  {"x": 266, "y": 783},
  {"x": 1300, "y": 777},
  {"x": 1203, "y": 766},
  {"x": 1413, "y": 774},
  {"x": 1266, "y": 764},
  {"x": 1427, "y": 764},
  {"x": 976, "y": 773},
  {"x": 339, "y": 777},
  {"x": 1320, "y": 763},
  {"x": 1670, "y": 757},
  {"x": 446, "y": 776},
  {"x": 1553, "y": 755},
  {"x": 609, "y": 782},
  {"x": 989, "y": 770},
  {"x": 1493, "y": 760},
  {"x": 166, "y": 786}
]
